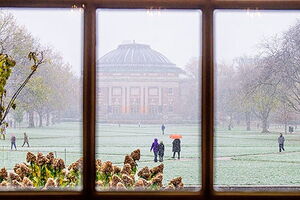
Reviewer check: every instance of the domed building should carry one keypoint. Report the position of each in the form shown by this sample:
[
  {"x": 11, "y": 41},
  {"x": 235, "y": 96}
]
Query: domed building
[{"x": 137, "y": 84}]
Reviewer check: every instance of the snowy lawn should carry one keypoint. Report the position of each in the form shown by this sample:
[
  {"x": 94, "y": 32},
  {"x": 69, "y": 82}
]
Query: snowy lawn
[{"x": 242, "y": 158}]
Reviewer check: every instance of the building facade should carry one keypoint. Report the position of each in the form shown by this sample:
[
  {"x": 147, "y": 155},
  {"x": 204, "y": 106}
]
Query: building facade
[{"x": 138, "y": 84}]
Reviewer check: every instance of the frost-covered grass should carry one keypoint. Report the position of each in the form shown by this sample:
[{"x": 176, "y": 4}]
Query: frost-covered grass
[
  {"x": 113, "y": 143},
  {"x": 245, "y": 158},
  {"x": 242, "y": 157}
]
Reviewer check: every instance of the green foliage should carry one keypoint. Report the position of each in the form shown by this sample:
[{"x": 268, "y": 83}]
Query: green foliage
[{"x": 6, "y": 65}]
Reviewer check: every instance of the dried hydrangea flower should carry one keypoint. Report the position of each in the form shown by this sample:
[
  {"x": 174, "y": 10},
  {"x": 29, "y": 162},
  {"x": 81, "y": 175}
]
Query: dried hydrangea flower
[
  {"x": 120, "y": 186},
  {"x": 14, "y": 176},
  {"x": 4, "y": 184},
  {"x": 98, "y": 165},
  {"x": 17, "y": 166},
  {"x": 27, "y": 182},
  {"x": 74, "y": 166},
  {"x": 22, "y": 170},
  {"x": 50, "y": 158},
  {"x": 3, "y": 173},
  {"x": 144, "y": 173},
  {"x": 115, "y": 180},
  {"x": 80, "y": 162},
  {"x": 71, "y": 177},
  {"x": 50, "y": 183},
  {"x": 16, "y": 183},
  {"x": 145, "y": 182},
  {"x": 116, "y": 169},
  {"x": 157, "y": 179},
  {"x": 30, "y": 157},
  {"x": 132, "y": 177},
  {"x": 58, "y": 163},
  {"x": 136, "y": 154},
  {"x": 106, "y": 167},
  {"x": 158, "y": 169},
  {"x": 99, "y": 184},
  {"x": 176, "y": 182},
  {"x": 129, "y": 160},
  {"x": 139, "y": 184},
  {"x": 127, "y": 180},
  {"x": 64, "y": 172},
  {"x": 170, "y": 187},
  {"x": 180, "y": 185},
  {"x": 126, "y": 169},
  {"x": 40, "y": 159}
]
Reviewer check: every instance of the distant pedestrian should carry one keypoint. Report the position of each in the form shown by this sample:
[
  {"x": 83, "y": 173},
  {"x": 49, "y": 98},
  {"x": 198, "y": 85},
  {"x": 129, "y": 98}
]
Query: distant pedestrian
[
  {"x": 161, "y": 151},
  {"x": 163, "y": 129},
  {"x": 3, "y": 130},
  {"x": 154, "y": 147},
  {"x": 13, "y": 142},
  {"x": 281, "y": 142},
  {"x": 176, "y": 148},
  {"x": 26, "y": 140}
]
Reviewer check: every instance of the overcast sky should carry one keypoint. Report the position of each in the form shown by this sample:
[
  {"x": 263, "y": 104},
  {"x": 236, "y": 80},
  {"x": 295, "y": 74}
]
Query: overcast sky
[
  {"x": 61, "y": 29},
  {"x": 173, "y": 33},
  {"x": 238, "y": 33}
]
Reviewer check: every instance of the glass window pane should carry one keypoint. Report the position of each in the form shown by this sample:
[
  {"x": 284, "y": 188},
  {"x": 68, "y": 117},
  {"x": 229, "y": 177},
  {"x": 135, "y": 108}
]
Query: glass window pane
[
  {"x": 148, "y": 87},
  {"x": 257, "y": 100},
  {"x": 41, "y": 134}
]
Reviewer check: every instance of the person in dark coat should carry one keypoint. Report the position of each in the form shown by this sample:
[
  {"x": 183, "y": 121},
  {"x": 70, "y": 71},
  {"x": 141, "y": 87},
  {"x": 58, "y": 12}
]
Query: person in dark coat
[
  {"x": 163, "y": 127},
  {"x": 176, "y": 148},
  {"x": 13, "y": 142},
  {"x": 161, "y": 151},
  {"x": 26, "y": 140},
  {"x": 154, "y": 147},
  {"x": 281, "y": 142}
]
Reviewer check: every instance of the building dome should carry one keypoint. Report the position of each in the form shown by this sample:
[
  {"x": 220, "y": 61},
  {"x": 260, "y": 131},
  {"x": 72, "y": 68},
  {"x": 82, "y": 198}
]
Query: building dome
[{"x": 134, "y": 55}]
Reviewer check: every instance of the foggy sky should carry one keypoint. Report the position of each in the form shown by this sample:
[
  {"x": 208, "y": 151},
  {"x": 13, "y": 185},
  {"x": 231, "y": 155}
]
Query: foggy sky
[{"x": 176, "y": 34}]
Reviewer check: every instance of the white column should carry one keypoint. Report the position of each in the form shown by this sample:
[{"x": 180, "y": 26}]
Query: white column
[
  {"x": 128, "y": 100},
  {"x": 109, "y": 96},
  {"x": 146, "y": 100},
  {"x": 142, "y": 108},
  {"x": 159, "y": 96},
  {"x": 123, "y": 100}
]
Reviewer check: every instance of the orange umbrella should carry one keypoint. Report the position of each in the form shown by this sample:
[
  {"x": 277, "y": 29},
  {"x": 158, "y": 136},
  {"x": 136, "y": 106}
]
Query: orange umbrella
[{"x": 175, "y": 136}]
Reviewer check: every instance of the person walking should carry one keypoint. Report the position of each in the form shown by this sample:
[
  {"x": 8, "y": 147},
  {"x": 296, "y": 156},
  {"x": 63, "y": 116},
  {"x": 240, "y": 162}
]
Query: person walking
[
  {"x": 161, "y": 151},
  {"x": 163, "y": 127},
  {"x": 13, "y": 142},
  {"x": 176, "y": 148},
  {"x": 281, "y": 142},
  {"x": 3, "y": 129},
  {"x": 154, "y": 147},
  {"x": 26, "y": 140}
]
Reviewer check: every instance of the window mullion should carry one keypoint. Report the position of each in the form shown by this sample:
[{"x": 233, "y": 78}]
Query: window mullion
[
  {"x": 89, "y": 100},
  {"x": 207, "y": 104}
]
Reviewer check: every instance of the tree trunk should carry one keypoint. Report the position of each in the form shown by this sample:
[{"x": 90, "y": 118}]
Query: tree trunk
[
  {"x": 230, "y": 123},
  {"x": 248, "y": 121},
  {"x": 265, "y": 126},
  {"x": 30, "y": 120},
  {"x": 47, "y": 119},
  {"x": 285, "y": 126},
  {"x": 40, "y": 120},
  {"x": 58, "y": 117}
]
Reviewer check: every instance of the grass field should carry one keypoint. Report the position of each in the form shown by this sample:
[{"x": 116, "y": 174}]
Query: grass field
[
  {"x": 245, "y": 158},
  {"x": 242, "y": 158}
]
